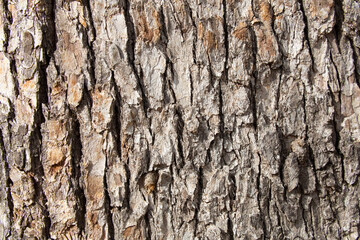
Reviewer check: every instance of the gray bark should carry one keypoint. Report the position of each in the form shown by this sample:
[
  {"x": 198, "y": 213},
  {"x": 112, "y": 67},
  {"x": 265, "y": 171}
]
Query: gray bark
[{"x": 214, "y": 119}]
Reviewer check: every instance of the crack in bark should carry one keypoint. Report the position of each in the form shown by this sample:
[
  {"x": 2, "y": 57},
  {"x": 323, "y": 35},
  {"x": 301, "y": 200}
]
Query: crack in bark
[
  {"x": 339, "y": 19},
  {"x": 107, "y": 205},
  {"x": 195, "y": 39},
  {"x": 127, "y": 187},
  {"x": 198, "y": 197},
  {"x": 170, "y": 65},
  {"x": 76, "y": 157},
  {"x": 230, "y": 224},
  {"x": 130, "y": 49},
  {"x": 116, "y": 120},
  {"x": 147, "y": 222},
  {"x": 253, "y": 81},
  {"x": 9, "y": 21},
  {"x": 9, "y": 199},
  {"x": 35, "y": 146},
  {"x": 225, "y": 75},
  {"x": 356, "y": 59},
  {"x": 309, "y": 150},
  {"x": 6, "y": 23},
  {"x": 336, "y": 121},
  {"x": 283, "y": 156},
  {"x": 258, "y": 197},
  {"x": 89, "y": 43},
  {"x": 179, "y": 132},
  {"x": 306, "y": 33}
]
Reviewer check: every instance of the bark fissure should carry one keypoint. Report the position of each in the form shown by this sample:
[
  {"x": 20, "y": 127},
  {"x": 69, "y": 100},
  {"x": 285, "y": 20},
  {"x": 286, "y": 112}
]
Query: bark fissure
[
  {"x": 258, "y": 197},
  {"x": 306, "y": 32},
  {"x": 130, "y": 48},
  {"x": 38, "y": 172},
  {"x": 90, "y": 42},
  {"x": 9, "y": 200},
  {"x": 180, "y": 130},
  {"x": 339, "y": 15},
  {"x": 198, "y": 199},
  {"x": 253, "y": 81},
  {"x": 356, "y": 59},
  {"x": 225, "y": 77},
  {"x": 76, "y": 157},
  {"x": 167, "y": 79},
  {"x": 107, "y": 205}
]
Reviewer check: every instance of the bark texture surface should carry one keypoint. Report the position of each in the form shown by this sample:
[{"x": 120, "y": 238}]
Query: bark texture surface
[{"x": 214, "y": 119}]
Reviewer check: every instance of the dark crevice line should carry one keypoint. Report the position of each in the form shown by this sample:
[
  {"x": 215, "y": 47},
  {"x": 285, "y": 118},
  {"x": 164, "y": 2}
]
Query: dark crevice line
[
  {"x": 253, "y": 81},
  {"x": 356, "y": 59},
  {"x": 198, "y": 198},
  {"x": 164, "y": 87},
  {"x": 268, "y": 210},
  {"x": 179, "y": 132},
  {"x": 258, "y": 187},
  {"x": 116, "y": 118},
  {"x": 339, "y": 19},
  {"x": 86, "y": 101},
  {"x": 230, "y": 227},
  {"x": 278, "y": 93},
  {"x": 194, "y": 35},
  {"x": 306, "y": 32},
  {"x": 76, "y": 157},
  {"x": 148, "y": 224},
  {"x": 281, "y": 139},
  {"x": 337, "y": 119},
  {"x": 191, "y": 89},
  {"x": 126, "y": 201},
  {"x": 171, "y": 196},
  {"x": 107, "y": 204},
  {"x": 8, "y": 21},
  {"x": 164, "y": 39},
  {"x": 90, "y": 42},
  {"x": 232, "y": 198},
  {"x": 130, "y": 49},
  {"x": 170, "y": 66},
  {"x": 195, "y": 39},
  {"x": 9, "y": 200},
  {"x": 35, "y": 146},
  {"x": 272, "y": 25}
]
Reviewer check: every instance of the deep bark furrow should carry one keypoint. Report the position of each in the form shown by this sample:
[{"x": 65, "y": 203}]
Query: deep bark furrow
[{"x": 306, "y": 33}]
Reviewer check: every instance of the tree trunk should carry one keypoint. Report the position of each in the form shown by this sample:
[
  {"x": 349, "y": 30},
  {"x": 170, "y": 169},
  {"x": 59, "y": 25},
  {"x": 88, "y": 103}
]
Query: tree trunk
[{"x": 215, "y": 119}]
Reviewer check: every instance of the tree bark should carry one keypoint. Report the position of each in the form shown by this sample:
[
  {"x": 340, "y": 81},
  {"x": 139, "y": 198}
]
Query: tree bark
[{"x": 215, "y": 119}]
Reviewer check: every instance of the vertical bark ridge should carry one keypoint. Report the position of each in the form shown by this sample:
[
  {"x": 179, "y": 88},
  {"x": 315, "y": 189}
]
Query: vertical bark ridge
[{"x": 6, "y": 200}]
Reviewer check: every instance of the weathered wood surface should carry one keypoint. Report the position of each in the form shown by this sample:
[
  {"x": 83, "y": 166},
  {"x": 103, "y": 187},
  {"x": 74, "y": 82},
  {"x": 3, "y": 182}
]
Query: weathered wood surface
[{"x": 215, "y": 119}]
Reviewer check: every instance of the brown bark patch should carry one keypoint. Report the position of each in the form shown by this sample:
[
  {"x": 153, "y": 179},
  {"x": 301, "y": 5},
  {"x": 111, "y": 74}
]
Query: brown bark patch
[
  {"x": 95, "y": 188},
  {"x": 56, "y": 130},
  {"x": 266, "y": 12},
  {"x": 210, "y": 41},
  {"x": 241, "y": 31},
  {"x": 55, "y": 155},
  {"x": 132, "y": 233},
  {"x": 318, "y": 6},
  {"x": 146, "y": 32},
  {"x": 74, "y": 90}
]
